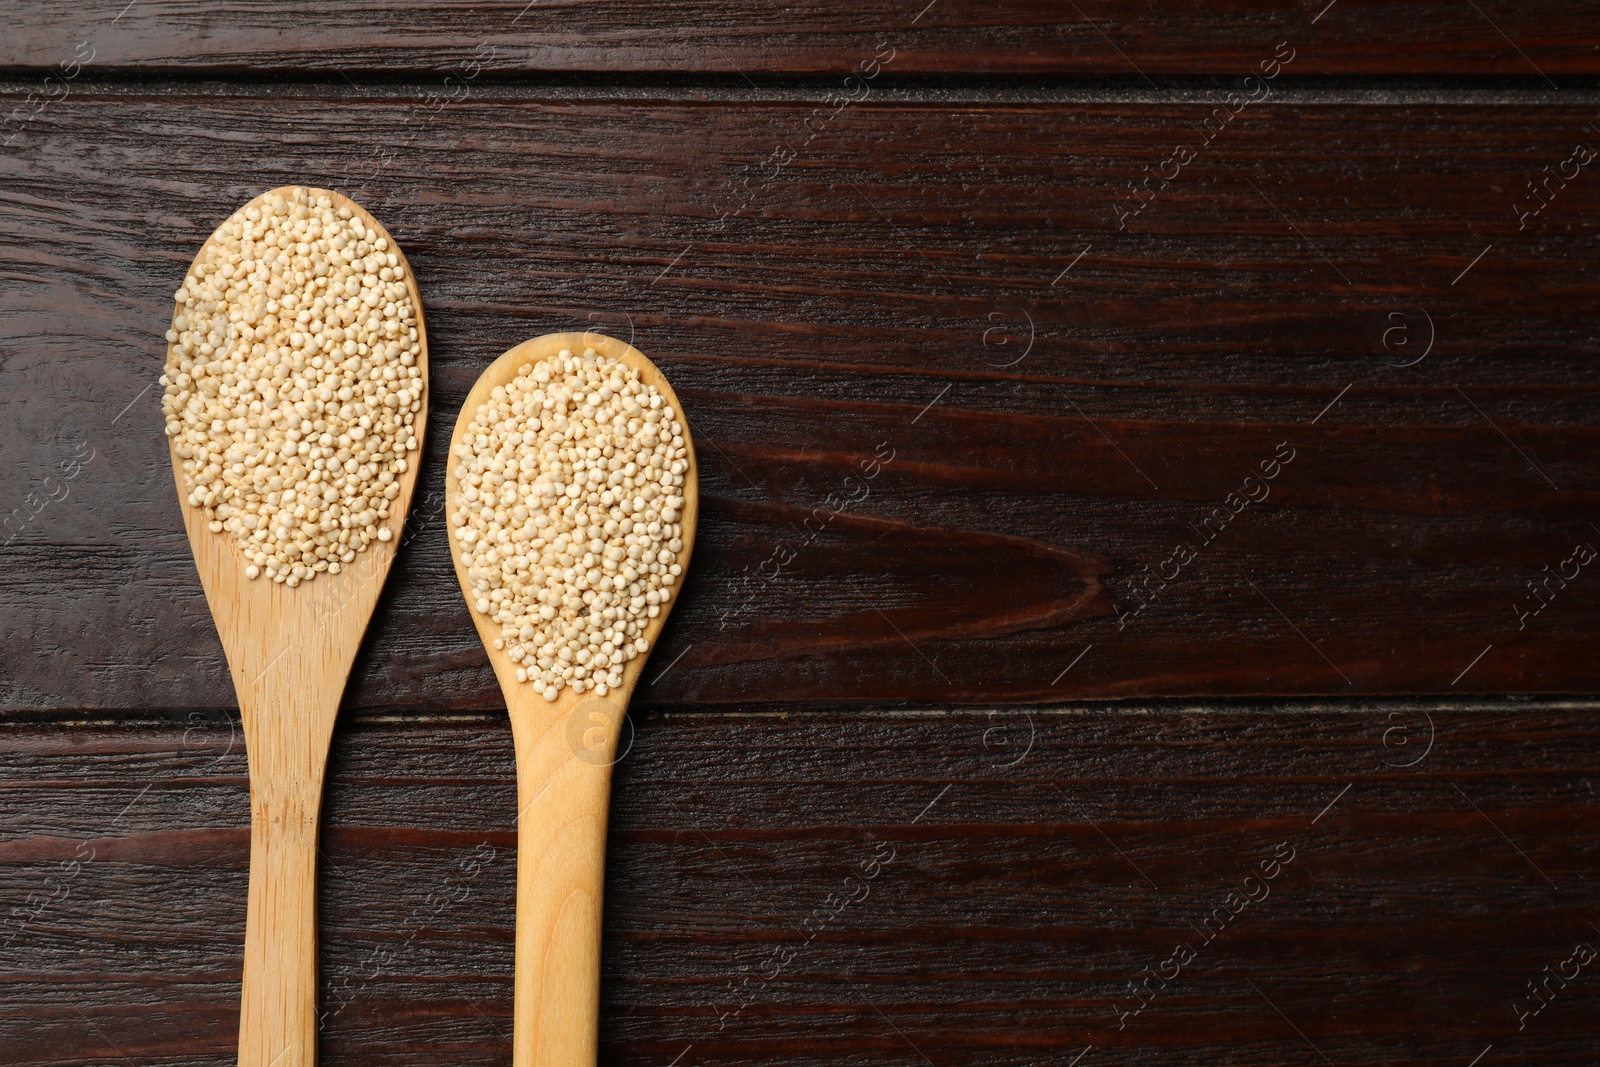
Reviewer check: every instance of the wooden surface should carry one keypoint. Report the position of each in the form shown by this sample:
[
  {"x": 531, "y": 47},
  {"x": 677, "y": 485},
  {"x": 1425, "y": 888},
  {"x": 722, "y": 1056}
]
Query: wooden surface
[
  {"x": 565, "y": 749},
  {"x": 1012, "y": 874},
  {"x": 971, "y": 345},
  {"x": 868, "y": 314},
  {"x": 289, "y": 652},
  {"x": 510, "y": 38}
]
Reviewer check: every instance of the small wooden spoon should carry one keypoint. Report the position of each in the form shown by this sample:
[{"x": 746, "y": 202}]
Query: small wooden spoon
[
  {"x": 565, "y": 751},
  {"x": 290, "y": 653}
]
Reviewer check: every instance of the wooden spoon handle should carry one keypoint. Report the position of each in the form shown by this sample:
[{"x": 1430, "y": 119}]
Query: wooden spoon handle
[
  {"x": 562, "y": 796},
  {"x": 278, "y": 1011}
]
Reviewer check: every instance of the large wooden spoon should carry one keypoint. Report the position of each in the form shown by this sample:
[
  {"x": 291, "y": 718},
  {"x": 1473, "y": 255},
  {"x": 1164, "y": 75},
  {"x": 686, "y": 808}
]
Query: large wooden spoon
[
  {"x": 565, "y": 751},
  {"x": 290, "y": 653}
]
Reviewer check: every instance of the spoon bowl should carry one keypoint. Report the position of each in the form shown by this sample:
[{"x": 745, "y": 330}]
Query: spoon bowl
[
  {"x": 289, "y": 652},
  {"x": 565, "y": 750}
]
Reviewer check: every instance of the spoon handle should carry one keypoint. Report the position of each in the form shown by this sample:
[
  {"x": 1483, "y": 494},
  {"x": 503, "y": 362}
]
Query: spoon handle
[
  {"x": 278, "y": 1008},
  {"x": 563, "y": 789}
]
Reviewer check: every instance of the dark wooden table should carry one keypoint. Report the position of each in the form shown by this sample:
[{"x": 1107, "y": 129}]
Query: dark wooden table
[{"x": 1145, "y": 610}]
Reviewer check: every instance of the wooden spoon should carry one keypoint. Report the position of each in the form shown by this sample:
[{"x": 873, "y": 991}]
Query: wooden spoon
[
  {"x": 565, "y": 751},
  {"x": 290, "y": 652}
]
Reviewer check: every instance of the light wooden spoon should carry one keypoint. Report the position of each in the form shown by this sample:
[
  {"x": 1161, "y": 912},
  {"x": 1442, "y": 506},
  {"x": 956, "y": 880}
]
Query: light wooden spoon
[
  {"x": 565, "y": 751},
  {"x": 290, "y": 653}
]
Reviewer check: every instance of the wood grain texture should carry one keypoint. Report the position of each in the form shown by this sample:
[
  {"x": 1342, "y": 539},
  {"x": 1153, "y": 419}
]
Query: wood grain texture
[
  {"x": 565, "y": 751},
  {"x": 827, "y": 887},
  {"x": 963, "y": 37},
  {"x": 944, "y": 387},
  {"x": 289, "y": 651}
]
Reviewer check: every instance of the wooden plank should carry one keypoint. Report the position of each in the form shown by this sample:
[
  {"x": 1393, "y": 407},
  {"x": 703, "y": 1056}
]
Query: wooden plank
[
  {"x": 1015, "y": 874},
  {"x": 451, "y": 43},
  {"x": 943, "y": 375}
]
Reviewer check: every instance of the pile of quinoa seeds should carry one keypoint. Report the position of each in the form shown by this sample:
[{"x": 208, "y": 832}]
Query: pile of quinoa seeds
[
  {"x": 292, "y": 384},
  {"x": 571, "y": 490}
]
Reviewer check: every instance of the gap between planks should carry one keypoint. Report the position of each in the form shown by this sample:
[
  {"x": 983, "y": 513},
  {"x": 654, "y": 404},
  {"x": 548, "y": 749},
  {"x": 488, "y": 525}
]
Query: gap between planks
[
  {"x": 1377, "y": 91},
  {"x": 1521, "y": 705}
]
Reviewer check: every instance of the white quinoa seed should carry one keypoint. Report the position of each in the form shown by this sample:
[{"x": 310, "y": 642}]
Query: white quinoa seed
[
  {"x": 567, "y": 525},
  {"x": 292, "y": 385}
]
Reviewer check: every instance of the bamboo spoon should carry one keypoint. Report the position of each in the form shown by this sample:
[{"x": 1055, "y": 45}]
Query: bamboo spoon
[
  {"x": 564, "y": 755},
  {"x": 290, "y": 653}
]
